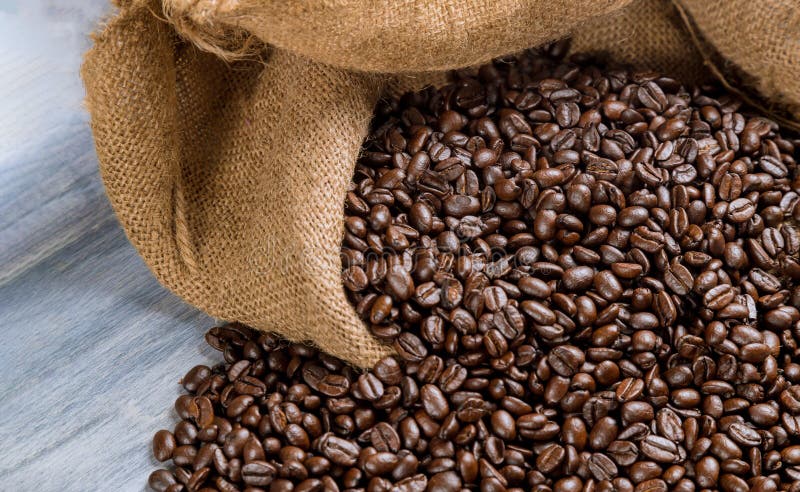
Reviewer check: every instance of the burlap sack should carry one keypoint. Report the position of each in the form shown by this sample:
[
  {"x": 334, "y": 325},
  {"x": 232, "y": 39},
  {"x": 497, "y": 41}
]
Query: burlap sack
[{"x": 229, "y": 177}]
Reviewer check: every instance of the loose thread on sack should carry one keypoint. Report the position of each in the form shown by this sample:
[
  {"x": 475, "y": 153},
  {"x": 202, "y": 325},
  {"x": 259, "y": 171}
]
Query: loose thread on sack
[
  {"x": 718, "y": 73},
  {"x": 182, "y": 234},
  {"x": 229, "y": 44}
]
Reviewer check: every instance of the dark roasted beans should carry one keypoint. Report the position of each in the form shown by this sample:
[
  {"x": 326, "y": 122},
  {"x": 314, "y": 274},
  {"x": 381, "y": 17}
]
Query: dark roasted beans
[{"x": 589, "y": 279}]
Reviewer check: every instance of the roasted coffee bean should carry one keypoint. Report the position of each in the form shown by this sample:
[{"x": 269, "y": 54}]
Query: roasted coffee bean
[
  {"x": 630, "y": 389},
  {"x": 434, "y": 401},
  {"x": 161, "y": 480},
  {"x": 588, "y": 278},
  {"x": 340, "y": 451},
  {"x": 446, "y": 481},
  {"x": 196, "y": 377},
  {"x": 670, "y": 425},
  {"x": 164, "y": 445},
  {"x": 603, "y": 432},
  {"x": 550, "y": 458},
  {"x": 602, "y": 467},
  {"x": 624, "y": 453},
  {"x": 678, "y": 278},
  {"x": 578, "y": 278},
  {"x": 385, "y": 438},
  {"x": 258, "y": 473},
  {"x": 566, "y": 360},
  {"x": 662, "y": 450}
]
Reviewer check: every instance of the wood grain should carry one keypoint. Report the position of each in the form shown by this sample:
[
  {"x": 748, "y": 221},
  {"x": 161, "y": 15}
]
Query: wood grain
[{"x": 92, "y": 346}]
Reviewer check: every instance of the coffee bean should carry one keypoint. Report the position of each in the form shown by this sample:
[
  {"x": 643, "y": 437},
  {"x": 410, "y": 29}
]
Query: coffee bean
[
  {"x": 503, "y": 425},
  {"x": 161, "y": 480},
  {"x": 340, "y": 451},
  {"x": 566, "y": 360},
  {"x": 602, "y": 467},
  {"x": 724, "y": 448},
  {"x": 679, "y": 279},
  {"x": 719, "y": 297},
  {"x": 732, "y": 483},
  {"x": 790, "y": 399},
  {"x": 624, "y": 453},
  {"x": 539, "y": 312},
  {"x": 607, "y": 285},
  {"x": 603, "y": 432},
  {"x": 550, "y": 459},
  {"x": 385, "y": 438},
  {"x": 578, "y": 278},
  {"x": 334, "y": 385},
  {"x": 763, "y": 414},
  {"x": 399, "y": 283},
  {"x": 381, "y": 309},
  {"x": 370, "y": 387},
  {"x": 258, "y": 473},
  {"x": 636, "y": 411},
  {"x": 388, "y": 371},
  {"x": 662, "y": 450},
  {"x": 434, "y": 401},
  {"x": 380, "y": 463},
  {"x": 447, "y": 481},
  {"x": 651, "y": 96},
  {"x": 629, "y": 389},
  {"x": 410, "y": 348},
  {"x": 740, "y": 210},
  {"x": 196, "y": 377},
  {"x": 163, "y": 445},
  {"x": 670, "y": 425},
  {"x": 744, "y": 435}
]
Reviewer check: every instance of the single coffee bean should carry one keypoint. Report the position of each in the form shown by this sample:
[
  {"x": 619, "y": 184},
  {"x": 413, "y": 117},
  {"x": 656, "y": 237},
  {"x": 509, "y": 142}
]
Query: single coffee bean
[
  {"x": 602, "y": 467},
  {"x": 566, "y": 359},
  {"x": 679, "y": 279},
  {"x": 340, "y": 451},
  {"x": 740, "y": 210},
  {"x": 630, "y": 389},
  {"x": 164, "y": 445},
  {"x": 550, "y": 459},
  {"x": 577, "y": 278},
  {"x": 258, "y": 473},
  {"x": 196, "y": 377},
  {"x": 161, "y": 480},
  {"x": 623, "y": 453},
  {"x": 434, "y": 401},
  {"x": 662, "y": 450}
]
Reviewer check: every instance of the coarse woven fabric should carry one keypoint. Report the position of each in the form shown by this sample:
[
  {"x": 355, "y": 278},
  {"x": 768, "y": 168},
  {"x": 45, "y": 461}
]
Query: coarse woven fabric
[
  {"x": 392, "y": 36},
  {"x": 229, "y": 177},
  {"x": 647, "y": 34},
  {"x": 762, "y": 38}
]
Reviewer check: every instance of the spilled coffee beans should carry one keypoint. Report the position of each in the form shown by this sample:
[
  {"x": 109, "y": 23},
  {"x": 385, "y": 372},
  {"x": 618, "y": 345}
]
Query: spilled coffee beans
[{"x": 590, "y": 279}]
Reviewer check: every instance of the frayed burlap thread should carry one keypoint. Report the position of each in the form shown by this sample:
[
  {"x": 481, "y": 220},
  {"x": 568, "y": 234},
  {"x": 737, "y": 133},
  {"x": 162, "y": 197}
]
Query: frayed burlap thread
[{"x": 393, "y": 36}]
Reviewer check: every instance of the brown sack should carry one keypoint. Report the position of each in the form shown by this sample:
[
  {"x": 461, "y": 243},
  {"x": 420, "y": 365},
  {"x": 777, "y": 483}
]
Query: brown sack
[{"x": 230, "y": 178}]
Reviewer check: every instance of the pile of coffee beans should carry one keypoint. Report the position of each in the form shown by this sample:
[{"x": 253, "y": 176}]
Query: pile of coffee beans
[{"x": 590, "y": 278}]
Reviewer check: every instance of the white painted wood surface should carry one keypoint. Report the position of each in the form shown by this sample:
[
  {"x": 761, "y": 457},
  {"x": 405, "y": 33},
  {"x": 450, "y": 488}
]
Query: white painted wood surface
[{"x": 91, "y": 347}]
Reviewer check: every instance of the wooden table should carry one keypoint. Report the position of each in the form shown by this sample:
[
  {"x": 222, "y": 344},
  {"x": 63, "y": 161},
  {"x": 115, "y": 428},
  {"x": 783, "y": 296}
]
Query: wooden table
[{"x": 92, "y": 347}]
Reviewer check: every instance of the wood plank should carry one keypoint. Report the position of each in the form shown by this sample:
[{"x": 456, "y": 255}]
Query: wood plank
[{"x": 93, "y": 347}]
